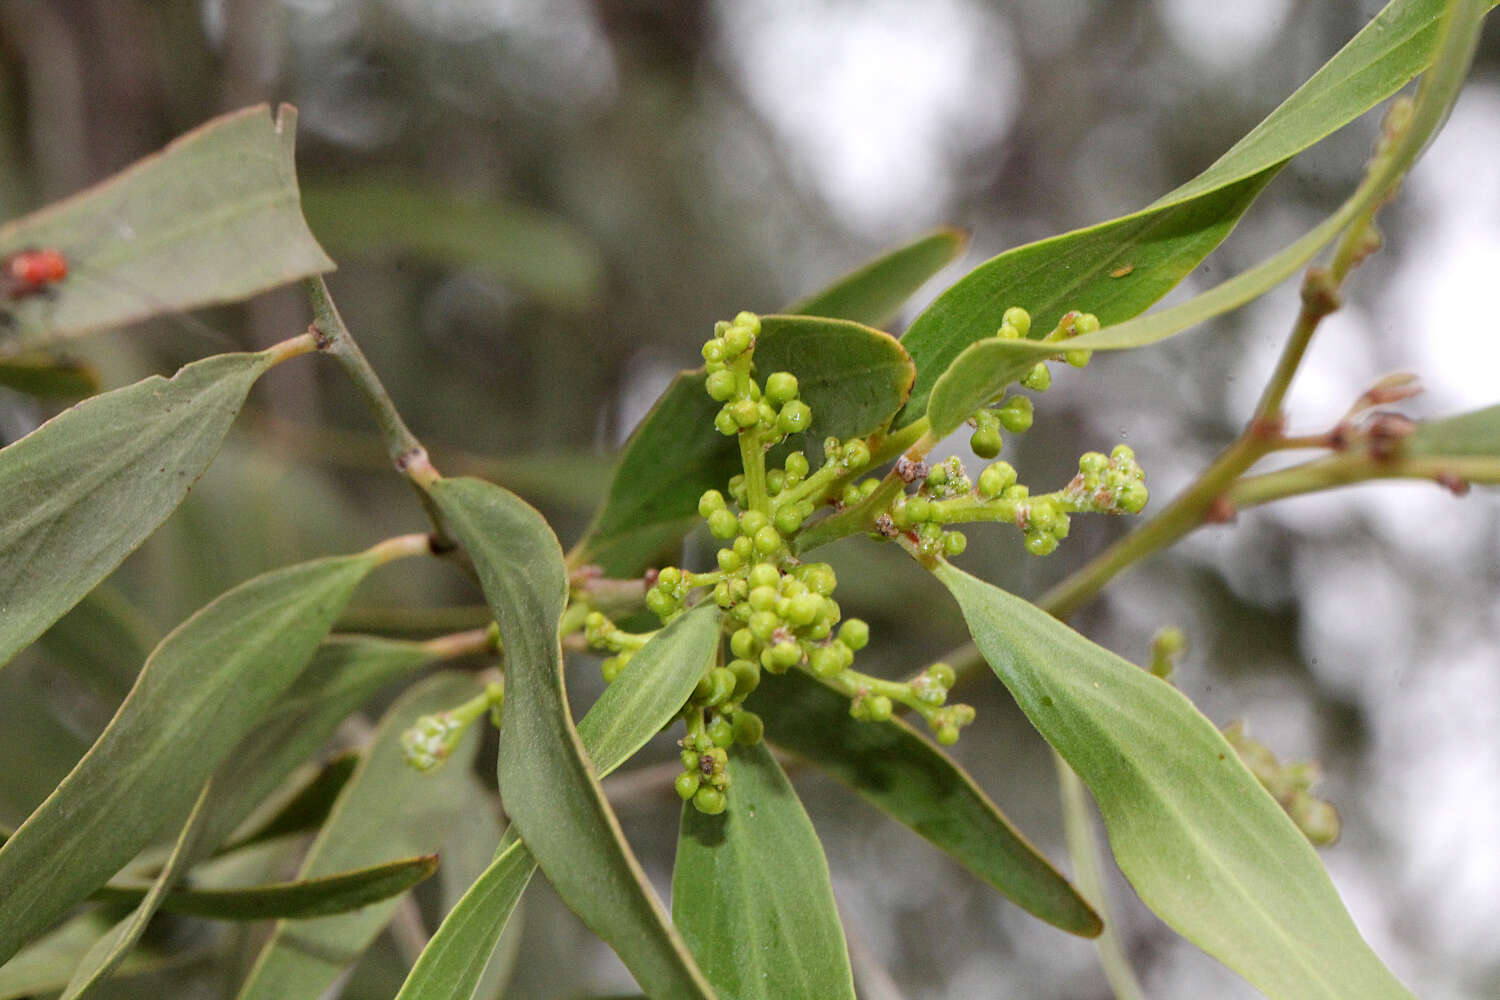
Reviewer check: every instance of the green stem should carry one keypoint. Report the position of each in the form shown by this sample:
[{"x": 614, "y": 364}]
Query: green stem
[
  {"x": 1088, "y": 876},
  {"x": 1345, "y": 470},
  {"x": 753, "y": 457},
  {"x": 861, "y": 518}
]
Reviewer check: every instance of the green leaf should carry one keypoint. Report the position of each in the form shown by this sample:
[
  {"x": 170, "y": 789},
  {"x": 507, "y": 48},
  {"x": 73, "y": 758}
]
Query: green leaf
[
  {"x": 308, "y": 808},
  {"x": 1202, "y": 842},
  {"x": 346, "y": 672},
  {"x": 900, "y": 773},
  {"x": 299, "y": 900},
  {"x": 46, "y": 965},
  {"x": 388, "y": 808},
  {"x": 46, "y": 377},
  {"x": 853, "y": 377},
  {"x": 111, "y": 950},
  {"x": 643, "y": 698},
  {"x": 751, "y": 891},
  {"x": 537, "y": 252},
  {"x": 207, "y": 684},
  {"x": 87, "y": 487},
  {"x": 873, "y": 293},
  {"x": 212, "y": 218},
  {"x": 1466, "y": 435},
  {"x": 548, "y": 784},
  {"x": 1162, "y": 243}
]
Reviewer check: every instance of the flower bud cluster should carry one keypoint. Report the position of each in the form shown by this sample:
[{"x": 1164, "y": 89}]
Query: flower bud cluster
[
  {"x": 776, "y": 411},
  {"x": 1016, "y": 325},
  {"x": 432, "y": 739},
  {"x": 1290, "y": 785}
]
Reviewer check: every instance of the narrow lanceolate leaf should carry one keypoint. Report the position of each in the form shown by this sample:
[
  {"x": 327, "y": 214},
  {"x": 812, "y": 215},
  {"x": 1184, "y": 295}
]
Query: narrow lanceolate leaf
[
  {"x": 1197, "y": 836},
  {"x": 853, "y": 377},
  {"x": 87, "y": 487},
  {"x": 873, "y": 293},
  {"x": 899, "y": 772},
  {"x": 298, "y": 900},
  {"x": 214, "y": 217},
  {"x": 643, "y": 698},
  {"x": 1119, "y": 268},
  {"x": 46, "y": 965},
  {"x": 1467, "y": 435},
  {"x": 387, "y": 809},
  {"x": 751, "y": 892},
  {"x": 206, "y": 686},
  {"x": 306, "y": 810},
  {"x": 111, "y": 950},
  {"x": 548, "y": 785}
]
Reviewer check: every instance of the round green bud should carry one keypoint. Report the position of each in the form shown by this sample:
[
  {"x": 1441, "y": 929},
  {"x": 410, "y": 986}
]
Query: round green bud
[
  {"x": 723, "y": 524},
  {"x": 669, "y": 578},
  {"x": 856, "y": 454},
  {"x": 1017, "y": 491},
  {"x": 986, "y": 442},
  {"x": 878, "y": 708},
  {"x": 804, "y": 609},
  {"x": 796, "y": 465},
  {"x": 1092, "y": 464},
  {"x": 947, "y": 735},
  {"x": 721, "y": 682},
  {"x": 687, "y": 784},
  {"x": 819, "y": 578},
  {"x": 1039, "y": 379},
  {"x": 789, "y": 519},
  {"x": 954, "y": 543},
  {"x": 942, "y": 675},
  {"x": 611, "y": 667},
  {"x": 794, "y": 417},
  {"x": 766, "y": 414},
  {"x": 855, "y": 634},
  {"x": 1078, "y": 359},
  {"x": 995, "y": 479},
  {"x": 720, "y": 385},
  {"x": 1040, "y": 543},
  {"x": 713, "y": 351},
  {"x": 825, "y": 661},
  {"x": 747, "y": 319},
  {"x": 749, "y": 729},
  {"x": 1016, "y": 414},
  {"x": 736, "y": 341},
  {"x": 660, "y": 603},
  {"x": 709, "y": 502},
  {"x": 1132, "y": 497},
  {"x": 1085, "y": 323},
  {"x": 785, "y": 655},
  {"x": 724, "y": 423},
  {"x": 762, "y": 625},
  {"x": 1043, "y": 515},
  {"x": 763, "y": 598},
  {"x": 744, "y": 412},
  {"x": 764, "y": 574},
  {"x": 744, "y": 644},
  {"x": 723, "y": 596},
  {"x": 791, "y": 585},
  {"x": 938, "y": 475},
  {"x": 918, "y": 509},
  {"x": 781, "y": 388},
  {"x": 689, "y": 756},
  {"x": 710, "y": 801},
  {"x": 1008, "y": 332},
  {"x": 1122, "y": 454},
  {"x": 768, "y": 540},
  {"x": 1019, "y": 318},
  {"x": 746, "y": 677},
  {"x": 721, "y": 732},
  {"x": 752, "y": 521},
  {"x": 744, "y": 548},
  {"x": 775, "y": 481},
  {"x": 818, "y": 629},
  {"x": 850, "y": 496},
  {"x": 729, "y": 560},
  {"x": 867, "y": 487}
]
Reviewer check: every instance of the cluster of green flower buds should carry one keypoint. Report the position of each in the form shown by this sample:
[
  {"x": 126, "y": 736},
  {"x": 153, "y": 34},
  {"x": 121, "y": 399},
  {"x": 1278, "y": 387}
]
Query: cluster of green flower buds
[
  {"x": 1108, "y": 485},
  {"x": 602, "y": 634},
  {"x": 432, "y": 739},
  {"x": 715, "y": 722},
  {"x": 1015, "y": 324},
  {"x": 776, "y": 412},
  {"x": 1290, "y": 785}
]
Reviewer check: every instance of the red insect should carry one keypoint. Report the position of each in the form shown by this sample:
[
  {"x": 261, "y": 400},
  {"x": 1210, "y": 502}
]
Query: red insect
[{"x": 27, "y": 273}]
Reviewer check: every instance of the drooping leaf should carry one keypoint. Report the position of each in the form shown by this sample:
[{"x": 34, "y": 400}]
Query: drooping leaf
[
  {"x": 87, "y": 487},
  {"x": 111, "y": 950},
  {"x": 548, "y": 784},
  {"x": 873, "y": 293},
  {"x": 204, "y": 687},
  {"x": 751, "y": 891},
  {"x": 854, "y": 379},
  {"x": 539, "y": 253},
  {"x": 387, "y": 809},
  {"x": 899, "y": 772},
  {"x": 643, "y": 698},
  {"x": 1119, "y": 268},
  {"x": 1197, "y": 836},
  {"x": 308, "y": 808},
  {"x": 299, "y": 900},
  {"x": 214, "y": 217},
  {"x": 46, "y": 377}
]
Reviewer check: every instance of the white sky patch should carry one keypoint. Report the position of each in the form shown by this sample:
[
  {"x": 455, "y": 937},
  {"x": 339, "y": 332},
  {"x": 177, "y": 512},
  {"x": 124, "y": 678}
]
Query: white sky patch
[
  {"x": 1223, "y": 37},
  {"x": 877, "y": 101}
]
